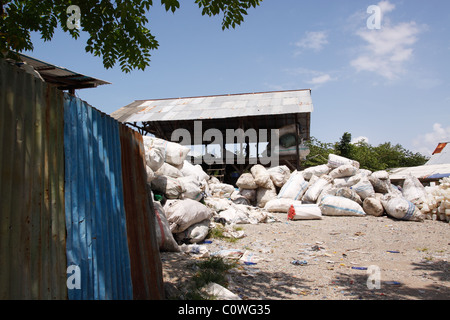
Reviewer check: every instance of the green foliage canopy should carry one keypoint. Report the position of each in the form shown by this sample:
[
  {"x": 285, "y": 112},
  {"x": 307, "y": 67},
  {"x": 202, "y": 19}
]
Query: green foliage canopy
[
  {"x": 118, "y": 30},
  {"x": 382, "y": 157}
]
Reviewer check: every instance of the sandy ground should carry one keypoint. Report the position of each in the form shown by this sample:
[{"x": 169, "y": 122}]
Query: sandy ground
[{"x": 406, "y": 260}]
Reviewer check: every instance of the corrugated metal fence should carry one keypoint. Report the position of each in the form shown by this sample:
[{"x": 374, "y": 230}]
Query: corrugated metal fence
[
  {"x": 67, "y": 168},
  {"x": 32, "y": 235}
]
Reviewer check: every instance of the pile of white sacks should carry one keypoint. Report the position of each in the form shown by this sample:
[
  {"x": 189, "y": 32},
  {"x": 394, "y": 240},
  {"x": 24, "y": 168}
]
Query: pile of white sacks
[
  {"x": 197, "y": 201},
  {"x": 338, "y": 188},
  {"x": 194, "y": 199}
]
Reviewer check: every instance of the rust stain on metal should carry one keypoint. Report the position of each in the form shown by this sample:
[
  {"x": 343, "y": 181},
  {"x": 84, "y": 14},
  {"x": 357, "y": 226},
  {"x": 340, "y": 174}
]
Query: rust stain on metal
[
  {"x": 32, "y": 234},
  {"x": 146, "y": 267},
  {"x": 147, "y": 109}
]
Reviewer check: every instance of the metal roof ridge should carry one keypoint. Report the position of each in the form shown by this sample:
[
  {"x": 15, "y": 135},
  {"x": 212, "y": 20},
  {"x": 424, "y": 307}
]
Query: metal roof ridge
[{"x": 224, "y": 95}]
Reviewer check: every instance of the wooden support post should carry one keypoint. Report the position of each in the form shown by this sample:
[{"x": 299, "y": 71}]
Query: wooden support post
[{"x": 297, "y": 151}]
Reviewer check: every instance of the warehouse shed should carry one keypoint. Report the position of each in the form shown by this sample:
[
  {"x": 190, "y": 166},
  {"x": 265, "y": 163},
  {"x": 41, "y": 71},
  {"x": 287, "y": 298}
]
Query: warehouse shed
[{"x": 263, "y": 112}]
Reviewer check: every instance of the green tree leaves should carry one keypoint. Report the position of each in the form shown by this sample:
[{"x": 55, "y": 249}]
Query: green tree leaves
[
  {"x": 118, "y": 30},
  {"x": 233, "y": 10},
  {"x": 382, "y": 157},
  {"x": 344, "y": 146}
]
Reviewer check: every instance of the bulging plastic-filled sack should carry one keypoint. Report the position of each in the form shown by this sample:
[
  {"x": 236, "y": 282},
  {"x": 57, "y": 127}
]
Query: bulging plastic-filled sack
[
  {"x": 234, "y": 215},
  {"x": 347, "y": 181},
  {"x": 364, "y": 188},
  {"x": 314, "y": 191},
  {"x": 380, "y": 185},
  {"x": 264, "y": 195},
  {"x": 400, "y": 208},
  {"x": 340, "y": 206},
  {"x": 349, "y": 194},
  {"x": 279, "y": 175},
  {"x": 395, "y": 191},
  {"x": 413, "y": 190},
  {"x": 169, "y": 171},
  {"x": 150, "y": 174},
  {"x": 294, "y": 188},
  {"x": 172, "y": 152},
  {"x": 280, "y": 205},
  {"x": 181, "y": 214},
  {"x": 335, "y": 161},
  {"x": 249, "y": 194},
  {"x": 373, "y": 206},
  {"x": 316, "y": 171},
  {"x": 221, "y": 190},
  {"x": 346, "y": 170},
  {"x": 329, "y": 190},
  {"x": 381, "y": 174},
  {"x": 304, "y": 212},
  {"x": 191, "y": 188},
  {"x": 195, "y": 233},
  {"x": 217, "y": 204},
  {"x": 189, "y": 169},
  {"x": 154, "y": 158},
  {"x": 261, "y": 176},
  {"x": 164, "y": 236},
  {"x": 246, "y": 181},
  {"x": 171, "y": 187}
]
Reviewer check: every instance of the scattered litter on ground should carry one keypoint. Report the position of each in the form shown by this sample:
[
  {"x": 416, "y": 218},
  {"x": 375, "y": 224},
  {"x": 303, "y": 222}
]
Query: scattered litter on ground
[{"x": 190, "y": 205}]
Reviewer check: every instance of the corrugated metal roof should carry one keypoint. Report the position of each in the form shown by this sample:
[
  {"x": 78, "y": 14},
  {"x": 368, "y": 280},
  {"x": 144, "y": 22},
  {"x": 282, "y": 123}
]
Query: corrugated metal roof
[
  {"x": 32, "y": 225},
  {"x": 62, "y": 77},
  {"x": 441, "y": 155},
  {"x": 420, "y": 172},
  {"x": 217, "y": 107}
]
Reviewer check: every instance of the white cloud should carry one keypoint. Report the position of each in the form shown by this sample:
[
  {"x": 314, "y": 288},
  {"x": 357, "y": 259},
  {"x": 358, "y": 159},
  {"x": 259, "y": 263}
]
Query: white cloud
[
  {"x": 386, "y": 6},
  {"x": 388, "y": 49},
  {"x": 314, "y": 40},
  {"x": 427, "y": 143},
  {"x": 360, "y": 139},
  {"x": 316, "y": 77},
  {"x": 321, "y": 79}
]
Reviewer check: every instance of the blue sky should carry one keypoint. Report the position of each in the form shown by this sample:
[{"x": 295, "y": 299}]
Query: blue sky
[{"x": 386, "y": 85}]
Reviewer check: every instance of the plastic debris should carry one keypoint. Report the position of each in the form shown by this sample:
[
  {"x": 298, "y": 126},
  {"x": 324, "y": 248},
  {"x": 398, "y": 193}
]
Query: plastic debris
[{"x": 299, "y": 262}]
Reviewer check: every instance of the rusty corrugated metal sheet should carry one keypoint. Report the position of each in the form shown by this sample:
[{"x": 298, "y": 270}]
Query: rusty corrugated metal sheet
[
  {"x": 146, "y": 268},
  {"x": 95, "y": 213},
  {"x": 32, "y": 234},
  {"x": 217, "y": 107}
]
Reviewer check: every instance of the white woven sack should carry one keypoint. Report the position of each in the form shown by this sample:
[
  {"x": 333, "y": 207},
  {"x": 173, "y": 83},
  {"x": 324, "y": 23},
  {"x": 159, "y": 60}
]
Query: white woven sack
[
  {"x": 340, "y": 206},
  {"x": 294, "y": 188},
  {"x": 182, "y": 214},
  {"x": 280, "y": 205},
  {"x": 304, "y": 212}
]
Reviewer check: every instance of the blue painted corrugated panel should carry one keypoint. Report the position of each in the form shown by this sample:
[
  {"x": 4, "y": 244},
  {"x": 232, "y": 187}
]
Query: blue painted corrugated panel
[
  {"x": 32, "y": 226},
  {"x": 95, "y": 215}
]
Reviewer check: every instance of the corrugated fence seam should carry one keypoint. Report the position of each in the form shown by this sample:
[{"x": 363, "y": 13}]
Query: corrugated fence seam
[
  {"x": 146, "y": 267},
  {"x": 32, "y": 235}
]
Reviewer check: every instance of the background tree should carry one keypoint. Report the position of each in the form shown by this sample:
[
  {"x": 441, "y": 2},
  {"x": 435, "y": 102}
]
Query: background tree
[
  {"x": 118, "y": 30},
  {"x": 382, "y": 157},
  {"x": 319, "y": 152},
  {"x": 344, "y": 146}
]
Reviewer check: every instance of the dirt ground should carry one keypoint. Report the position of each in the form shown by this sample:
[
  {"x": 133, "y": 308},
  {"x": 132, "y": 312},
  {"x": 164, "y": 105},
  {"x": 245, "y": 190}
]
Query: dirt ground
[{"x": 404, "y": 260}]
